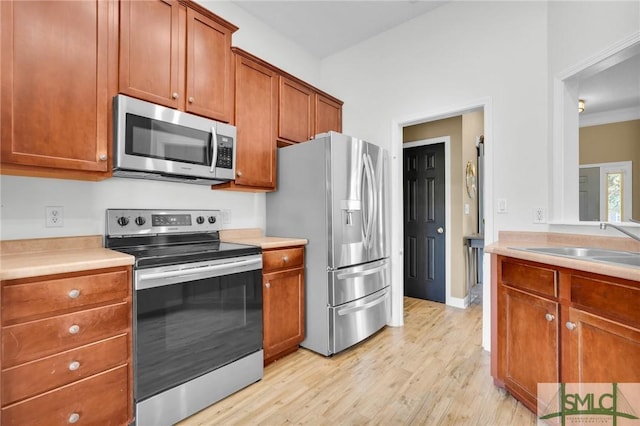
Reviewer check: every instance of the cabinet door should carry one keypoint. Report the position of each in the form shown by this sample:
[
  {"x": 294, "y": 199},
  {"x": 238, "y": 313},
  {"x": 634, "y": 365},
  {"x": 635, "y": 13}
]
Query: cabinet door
[
  {"x": 256, "y": 114},
  {"x": 150, "y": 50},
  {"x": 297, "y": 111},
  {"x": 528, "y": 343},
  {"x": 283, "y": 298},
  {"x": 209, "y": 79},
  {"x": 328, "y": 115},
  {"x": 599, "y": 350},
  {"x": 55, "y": 83}
]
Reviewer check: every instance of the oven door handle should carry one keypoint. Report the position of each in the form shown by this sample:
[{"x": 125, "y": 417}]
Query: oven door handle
[{"x": 196, "y": 273}]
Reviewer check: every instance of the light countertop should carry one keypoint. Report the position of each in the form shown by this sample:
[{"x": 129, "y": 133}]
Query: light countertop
[
  {"x": 45, "y": 256},
  {"x": 508, "y": 242},
  {"x": 254, "y": 236}
]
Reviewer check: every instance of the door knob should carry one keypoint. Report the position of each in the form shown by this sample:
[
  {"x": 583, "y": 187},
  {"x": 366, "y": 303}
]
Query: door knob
[{"x": 440, "y": 230}]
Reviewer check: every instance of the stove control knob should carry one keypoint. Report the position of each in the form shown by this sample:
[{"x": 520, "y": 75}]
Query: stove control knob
[
  {"x": 200, "y": 220},
  {"x": 123, "y": 221},
  {"x": 212, "y": 219},
  {"x": 140, "y": 221}
]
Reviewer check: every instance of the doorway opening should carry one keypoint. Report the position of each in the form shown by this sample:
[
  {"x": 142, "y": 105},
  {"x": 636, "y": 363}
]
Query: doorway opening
[{"x": 458, "y": 299}]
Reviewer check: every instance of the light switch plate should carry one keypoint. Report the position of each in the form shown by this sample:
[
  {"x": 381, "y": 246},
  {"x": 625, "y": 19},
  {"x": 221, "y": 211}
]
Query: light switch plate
[{"x": 502, "y": 205}]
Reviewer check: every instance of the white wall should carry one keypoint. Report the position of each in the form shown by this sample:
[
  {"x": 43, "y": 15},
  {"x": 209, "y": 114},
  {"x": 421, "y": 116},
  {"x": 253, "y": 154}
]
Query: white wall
[
  {"x": 578, "y": 31},
  {"x": 23, "y": 200},
  {"x": 460, "y": 53}
]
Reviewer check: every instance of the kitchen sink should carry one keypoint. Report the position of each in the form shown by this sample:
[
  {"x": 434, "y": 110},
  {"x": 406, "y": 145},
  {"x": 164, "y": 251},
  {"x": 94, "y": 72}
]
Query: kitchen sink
[{"x": 626, "y": 258}]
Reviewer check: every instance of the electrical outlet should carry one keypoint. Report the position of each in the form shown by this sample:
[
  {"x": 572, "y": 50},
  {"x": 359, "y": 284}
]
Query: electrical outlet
[
  {"x": 226, "y": 216},
  {"x": 54, "y": 216},
  {"x": 539, "y": 215}
]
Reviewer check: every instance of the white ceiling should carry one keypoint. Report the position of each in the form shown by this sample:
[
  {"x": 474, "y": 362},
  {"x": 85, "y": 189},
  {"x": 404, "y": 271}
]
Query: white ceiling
[
  {"x": 327, "y": 27},
  {"x": 615, "y": 88}
]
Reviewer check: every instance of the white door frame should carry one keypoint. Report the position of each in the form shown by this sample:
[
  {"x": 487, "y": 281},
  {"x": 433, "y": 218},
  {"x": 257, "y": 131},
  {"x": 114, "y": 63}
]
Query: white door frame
[
  {"x": 452, "y": 301},
  {"x": 624, "y": 167},
  {"x": 397, "y": 234}
]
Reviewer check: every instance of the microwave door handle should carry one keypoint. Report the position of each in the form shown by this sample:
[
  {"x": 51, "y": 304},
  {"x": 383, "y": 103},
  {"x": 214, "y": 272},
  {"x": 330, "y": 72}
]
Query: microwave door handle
[{"x": 214, "y": 149}]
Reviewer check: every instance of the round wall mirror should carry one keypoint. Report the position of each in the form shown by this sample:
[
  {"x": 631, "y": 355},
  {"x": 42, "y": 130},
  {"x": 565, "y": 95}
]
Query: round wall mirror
[{"x": 470, "y": 178}]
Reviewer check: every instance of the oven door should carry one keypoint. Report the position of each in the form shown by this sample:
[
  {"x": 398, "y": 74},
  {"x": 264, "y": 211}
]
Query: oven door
[{"x": 191, "y": 319}]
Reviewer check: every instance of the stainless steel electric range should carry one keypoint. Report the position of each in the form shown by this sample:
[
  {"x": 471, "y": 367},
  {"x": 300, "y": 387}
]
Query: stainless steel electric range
[{"x": 197, "y": 310}]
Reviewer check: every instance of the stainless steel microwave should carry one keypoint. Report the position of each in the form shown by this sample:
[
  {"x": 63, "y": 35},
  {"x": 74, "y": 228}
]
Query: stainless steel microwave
[{"x": 155, "y": 142}]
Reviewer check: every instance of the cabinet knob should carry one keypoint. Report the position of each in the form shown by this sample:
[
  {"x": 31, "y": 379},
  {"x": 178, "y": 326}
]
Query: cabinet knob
[
  {"x": 74, "y": 365},
  {"x": 74, "y": 329},
  {"x": 549, "y": 317},
  {"x": 174, "y": 95},
  {"x": 570, "y": 325},
  {"x": 285, "y": 259},
  {"x": 267, "y": 285},
  {"x": 103, "y": 157},
  {"x": 73, "y": 418},
  {"x": 74, "y": 293},
  {"x": 239, "y": 173},
  {"x": 191, "y": 99}
]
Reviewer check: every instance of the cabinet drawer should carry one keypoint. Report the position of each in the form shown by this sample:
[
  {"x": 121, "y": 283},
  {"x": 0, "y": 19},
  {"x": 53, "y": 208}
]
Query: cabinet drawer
[
  {"x": 606, "y": 297},
  {"x": 282, "y": 259},
  {"x": 528, "y": 277},
  {"x": 37, "y": 339},
  {"x": 39, "y": 376},
  {"x": 44, "y": 297},
  {"x": 98, "y": 400}
]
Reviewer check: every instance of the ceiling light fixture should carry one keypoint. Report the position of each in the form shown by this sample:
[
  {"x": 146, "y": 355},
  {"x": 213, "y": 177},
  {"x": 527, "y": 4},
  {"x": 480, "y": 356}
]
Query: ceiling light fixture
[{"x": 580, "y": 105}]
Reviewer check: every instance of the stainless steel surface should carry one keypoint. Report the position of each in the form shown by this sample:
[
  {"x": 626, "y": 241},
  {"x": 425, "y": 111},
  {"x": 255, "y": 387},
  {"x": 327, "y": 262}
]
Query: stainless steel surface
[
  {"x": 577, "y": 251},
  {"x": 332, "y": 191},
  {"x": 167, "y": 275},
  {"x": 355, "y": 282},
  {"x": 604, "y": 225},
  {"x": 355, "y": 321},
  {"x": 127, "y": 164},
  {"x": 633, "y": 261},
  {"x": 613, "y": 257},
  {"x": 126, "y": 222},
  {"x": 173, "y": 405}
]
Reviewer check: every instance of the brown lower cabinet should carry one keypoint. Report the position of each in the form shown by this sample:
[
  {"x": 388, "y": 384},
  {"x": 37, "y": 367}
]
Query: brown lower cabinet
[
  {"x": 283, "y": 301},
  {"x": 553, "y": 324},
  {"x": 66, "y": 349}
]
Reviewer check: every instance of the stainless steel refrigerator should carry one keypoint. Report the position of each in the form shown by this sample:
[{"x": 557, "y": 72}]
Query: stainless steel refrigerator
[{"x": 332, "y": 190}]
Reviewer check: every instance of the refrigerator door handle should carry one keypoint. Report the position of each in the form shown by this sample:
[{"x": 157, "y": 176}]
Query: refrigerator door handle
[
  {"x": 370, "y": 213},
  {"x": 377, "y": 269},
  {"x": 347, "y": 311}
]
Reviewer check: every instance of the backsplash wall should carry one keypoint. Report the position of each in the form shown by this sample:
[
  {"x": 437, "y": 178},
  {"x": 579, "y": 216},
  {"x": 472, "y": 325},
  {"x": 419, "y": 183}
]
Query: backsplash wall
[{"x": 23, "y": 202}]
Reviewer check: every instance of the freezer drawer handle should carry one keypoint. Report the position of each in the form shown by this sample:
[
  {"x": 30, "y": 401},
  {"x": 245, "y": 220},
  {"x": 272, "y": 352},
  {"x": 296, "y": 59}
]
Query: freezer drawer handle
[
  {"x": 375, "y": 270},
  {"x": 347, "y": 311}
]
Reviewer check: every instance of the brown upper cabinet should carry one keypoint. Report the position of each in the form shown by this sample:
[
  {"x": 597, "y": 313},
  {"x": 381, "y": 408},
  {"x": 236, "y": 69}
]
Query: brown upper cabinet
[
  {"x": 57, "y": 85},
  {"x": 256, "y": 109},
  {"x": 177, "y": 54},
  {"x": 304, "y": 112},
  {"x": 273, "y": 108}
]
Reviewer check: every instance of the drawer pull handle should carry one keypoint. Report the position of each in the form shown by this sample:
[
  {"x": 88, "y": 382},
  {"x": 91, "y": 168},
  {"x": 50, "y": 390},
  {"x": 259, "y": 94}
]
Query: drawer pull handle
[
  {"x": 74, "y": 329},
  {"x": 570, "y": 325},
  {"x": 285, "y": 259},
  {"x": 268, "y": 285},
  {"x": 73, "y": 418},
  {"x": 74, "y": 293},
  {"x": 74, "y": 365},
  {"x": 549, "y": 317}
]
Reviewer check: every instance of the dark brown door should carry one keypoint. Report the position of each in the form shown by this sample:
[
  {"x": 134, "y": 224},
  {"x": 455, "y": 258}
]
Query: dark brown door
[{"x": 424, "y": 222}]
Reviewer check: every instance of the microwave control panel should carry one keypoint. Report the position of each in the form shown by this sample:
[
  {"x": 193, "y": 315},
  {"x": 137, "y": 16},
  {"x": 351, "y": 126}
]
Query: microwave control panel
[{"x": 225, "y": 152}]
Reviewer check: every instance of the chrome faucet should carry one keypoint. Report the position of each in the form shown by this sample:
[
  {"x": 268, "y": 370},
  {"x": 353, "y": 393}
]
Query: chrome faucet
[{"x": 604, "y": 225}]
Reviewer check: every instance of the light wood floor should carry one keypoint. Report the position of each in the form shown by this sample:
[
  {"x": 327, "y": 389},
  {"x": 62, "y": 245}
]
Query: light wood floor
[{"x": 432, "y": 371}]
